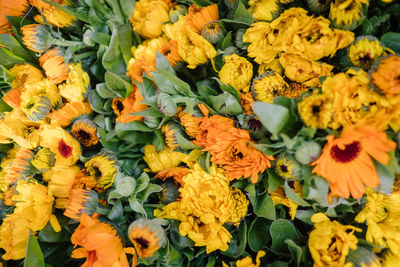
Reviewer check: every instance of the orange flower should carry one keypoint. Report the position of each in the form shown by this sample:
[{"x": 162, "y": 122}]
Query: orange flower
[
  {"x": 386, "y": 76},
  {"x": 13, "y": 97},
  {"x": 346, "y": 164},
  {"x": 76, "y": 204},
  {"x": 136, "y": 68},
  {"x": 175, "y": 172},
  {"x": 11, "y": 8},
  {"x": 129, "y": 105},
  {"x": 200, "y": 16},
  {"x": 210, "y": 129},
  {"x": 170, "y": 51},
  {"x": 20, "y": 166},
  {"x": 64, "y": 115},
  {"x": 190, "y": 123},
  {"x": 99, "y": 244},
  {"x": 53, "y": 64},
  {"x": 246, "y": 100}
]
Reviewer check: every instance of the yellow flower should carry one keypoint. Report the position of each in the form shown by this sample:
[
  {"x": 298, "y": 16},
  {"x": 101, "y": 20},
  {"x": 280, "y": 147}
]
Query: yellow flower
[
  {"x": 237, "y": 71},
  {"x": 382, "y": 213},
  {"x": 53, "y": 15},
  {"x": 260, "y": 47},
  {"x": 304, "y": 71},
  {"x": 35, "y": 203},
  {"x": 241, "y": 202},
  {"x": 198, "y": 17},
  {"x": 162, "y": 160},
  {"x": 65, "y": 114},
  {"x": 347, "y": 14},
  {"x": 189, "y": 122},
  {"x": 330, "y": 242},
  {"x": 42, "y": 88},
  {"x": 53, "y": 64},
  {"x": 168, "y": 131},
  {"x": 365, "y": 51},
  {"x": 148, "y": 48},
  {"x": 43, "y": 160},
  {"x": 79, "y": 202},
  {"x": 278, "y": 196},
  {"x": 36, "y": 108},
  {"x": 264, "y": 9},
  {"x": 14, "y": 234},
  {"x": 102, "y": 169},
  {"x": 268, "y": 86},
  {"x": 247, "y": 261},
  {"x": 75, "y": 86},
  {"x": 288, "y": 167},
  {"x": 36, "y": 37},
  {"x": 85, "y": 131},
  {"x": 390, "y": 260},
  {"x": 316, "y": 110},
  {"x": 148, "y": 17},
  {"x": 385, "y": 77},
  {"x": 25, "y": 74},
  {"x": 274, "y": 66}
]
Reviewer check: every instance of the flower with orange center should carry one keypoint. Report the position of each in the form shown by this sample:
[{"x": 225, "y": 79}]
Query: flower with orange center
[
  {"x": 200, "y": 16},
  {"x": 387, "y": 75},
  {"x": 11, "y": 8},
  {"x": 69, "y": 111},
  {"x": 346, "y": 161},
  {"x": 99, "y": 243},
  {"x": 79, "y": 202},
  {"x": 131, "y": 104},
  {"x": 53, "y": 64}
]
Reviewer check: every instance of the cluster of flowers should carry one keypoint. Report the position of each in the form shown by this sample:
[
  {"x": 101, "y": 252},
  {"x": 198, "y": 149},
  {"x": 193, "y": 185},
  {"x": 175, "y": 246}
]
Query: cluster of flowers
[{"x": 269, "y": 130}]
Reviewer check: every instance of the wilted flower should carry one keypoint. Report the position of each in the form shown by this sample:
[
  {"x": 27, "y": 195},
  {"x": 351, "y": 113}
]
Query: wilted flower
[
  {"x": 385, "y": 77},
  {"x": 237, "y": 71},
  {"x": 162, "y": 160},
  {"x": 53, "y": 64},
  {"x": 53, "y": 15}
]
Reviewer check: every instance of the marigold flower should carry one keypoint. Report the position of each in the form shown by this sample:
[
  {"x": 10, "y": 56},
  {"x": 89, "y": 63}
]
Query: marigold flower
[
  {"x": 273, "y": 66},
  {"x": 381, "y": 213},
  {"x": 148, "y": 17},
  {"x": 43, "y": 160},
  {"x": 316, "y": 110},
  {"x": 278, "y": 196},
  {"x": 260, "y": 48},
  {"x": 20, "y": 166},
  {"x": 35, "y": 203},
  {"x": 237, "y": 71},
  {"x": 240, "y": 205},
  {"x": 365, "y": 51},
  {"x": 25, "y": 74},
  {"x": 330, "y": 242},
  {"x": 36, "y": 37},
  {"x": 53, "y": 64},
  {"x": 99, "y": 243},
  {"x": 85, "y": 131},
  {"x": 189, "y": 122},
  {"x": 247, "y": 261},
  {"x": 170, "y": 51},
  {"x": 345, "y": 161},
  {"x": 131, "y": 104},
  {"x": 198, "y": 17},
  {"x": 265, "y": 10},
  {"x": 269, "y": 85},
  {"x": 102, "y": 169},
  {"x": 75, "y": 86},
  {"x": 80, "y": 201},
  {"x": 385, "y": 77},
  {"x": 69, "y": 111},
  {"x": 177, "y": 173},
  {"x": 162, "y": 160},
  {"x": 246, "y": 101},
  {"x": 36, "y": 108},
  {"x": 347, "y": 14},
  {"x": 14, "y": 235},
  {"x": 288, "y": 167},
  {"x": 42, "y": 88},
  {"x": 7, "y": 8},
  {"x": 53, "y": 15},
  {"x": 13, "y": 98},
  {"x": 169, "y": 192}
]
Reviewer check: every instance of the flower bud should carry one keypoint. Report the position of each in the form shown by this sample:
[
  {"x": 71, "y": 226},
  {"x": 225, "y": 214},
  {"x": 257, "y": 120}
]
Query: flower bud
[
  {"x": 169, "y": 192},
  {"x": 288, "y": 167},
  {"x": 43, "y": 160},
  {"x": 166, "y": 104},
  {"x": 212, "y": 32},
  {"x": 308, "y": 152},
  {"x": 36, "y": 108}
]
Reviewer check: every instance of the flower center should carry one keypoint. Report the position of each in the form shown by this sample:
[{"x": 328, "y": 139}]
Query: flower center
[
  {"x": 64, "y": 149},
  {"x": 143, "y": 243},
  {"x": 349, "y": 153}
]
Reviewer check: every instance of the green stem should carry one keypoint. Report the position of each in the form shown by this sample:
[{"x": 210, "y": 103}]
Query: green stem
[
  {"x": 85, "y": 55},
  {"x": 66, "y": 42}
]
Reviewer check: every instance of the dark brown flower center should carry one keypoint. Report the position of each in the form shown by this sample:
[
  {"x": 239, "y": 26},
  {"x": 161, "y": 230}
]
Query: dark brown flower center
[
  {"x": 143, "y": 243},
  {"x": 64, "y": 149},
  {"x": 349, "y": 153}
]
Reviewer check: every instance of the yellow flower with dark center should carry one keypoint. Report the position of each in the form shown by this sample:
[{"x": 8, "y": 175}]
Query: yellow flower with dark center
[
  {"x": 37, "y": 37},
  {"x": 69, "y": 111},
  {"x": 162, "y": 160},
  {"x": 53, "y": 15},
  {"x": 85, "y": 131},
  {"x": 288, "y": 167},
  {"x": 75, "y": 86},
  {"x": 19, "y": 167},
  {"x": 386, "y": 76},
  {"x": 304, "y": 71},
  {"x": 14, "y": 234},
  {"x": 382, "y": 213},
  {"x": 264, "y": 9},
  {"x": 278, "y": 196},
  {"x": 42, "y": 88},
  {"x": 365, "y": 51},
  {"x": 240, "y": 205},
  {"x": 247, "y": 261},
  {"x": 169, "y": 136},
  {"x": 79, "y": 202},
  {"x": 316, "y": 110},
  {"x": 36, "y": 108},
  {"x": 66, "y": 149},
  {"x": 148, "y": 17},
  {"x": 25, "y": 74},
  {"x": 43, "y": 160},
  {"x": 268, "y": 86},
  {"x": 347, "y": 14},
  {"x": 35, "y": 203},
  {"x": 53, "y": 64},
  {"x": 212, "y": 32},
  {"x": 102, "y": 168},
  {"x": 237, "y": 71},
  {"x": 330, "y": 242},
  {"x": 146, "y": 236}
]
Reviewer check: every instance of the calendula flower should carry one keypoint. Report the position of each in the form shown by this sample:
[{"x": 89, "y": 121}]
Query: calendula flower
[
  {"x": 316, "y": 110},
  {"x": 36, "y": 108},
  {"x": 85, "y": 131},
  {"x": 381, "y": 213},
  {"x": 246, "y": 101},
  {"x": 213, "y": 32},
  {"x": 170, "y": 51},
  {"x": 146, "y": 236},
  {"x": 247, "y": 261},
  {"x": 69, "y": 111},
  {"x": 237, "y": 71},
  {"x": 80, "y": 201},
  {"x": 15, "y": 9},
  {"x": 13, "y": 98},
  {"x": 102, "y": 169},
  {"x": 273, "y": 66},
  {"x": 385, "y": 77},
  {"x": 36, "y": 37},
  {"x": 304, "y": 71},
  {"x": 198, "y": 17},
  {"x": 330, "y": 242},
  {"x": 295, "y": 90},
  {"x": 268, "y": 85},
  {"x": 365, "y": 51},
  {"x": 278, "y": 196},
  {"x": 25, "y": 74},
  {"x": 162, "y": 160},
  {"x": 53, "y": 64},
  {"x": 75, "y": 86},
  {"x": 346, "y": 162},
  {"x": 20, "y": 167},
  {"x": 131, "y": 104},
  {"x": 53, "y": 15},
  {"x": 264, "y": 9},
  {"x": 240, "y": 205},
  {"x": 288, "y": 167},
  {"x": 43, "y": 160},
  {"x": 14, "y": 235},
  {"x": 260, "y": 47},
  {"x": 66, "y": 149},
  {"x": 99, "y": 244},
  {"x": 136, "y": 68},
  {"x": 347, "y": 14},
  {"x": 210, "y": 128},
  {"x": 168, "y": 131},
  {"x": 189, "y": 122},
  {"x": 148, "y": 17},
  {"x": 42, "y": 88},
  {"x": 35, "y": 203}
]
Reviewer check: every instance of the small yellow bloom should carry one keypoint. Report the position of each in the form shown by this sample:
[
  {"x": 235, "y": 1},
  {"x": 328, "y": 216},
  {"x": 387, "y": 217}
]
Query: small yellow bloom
[
  {"x": 268, "y": 86},
  {"x": 53, "y": 15},
  {"x": 365, "y": 51},
  {"x": 240, "y": 202},
  {"x": 278, "y": 196},
  {"x": 43, "y": 160},
  {"x": 264, "y": 9},
  {"x": 14, "y": 235},
  {"x": 162, "y": 160},
  {"x": 102, "y": 169},
  {"x": 316, "y": 110},
  {"x": 85, "y": 131},
  {"x": 237, "y": 71},
  {"x": 75, "y": 86},
  {"x": 347, "y": 14},
  {"x": 25, "y": 74},
  {"x": 260, "y": 47}
]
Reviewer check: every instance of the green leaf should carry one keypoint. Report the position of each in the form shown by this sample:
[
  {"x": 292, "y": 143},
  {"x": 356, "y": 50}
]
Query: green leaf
[
  {"x": 12, "y": 44},
  {"x": 392, "y": 41},
  {"x": 242, "y": 14},
  {"x": 4, "y": 107},
  {"x": 117, "y": 12},
  {"x": 104, "y": 92},
  {"x": 227, "y": 88},
  {"x": 142, "y": 182},
  {"x": 305, "y": 216},
  {"x": 136, "y": 206},
  {"x": 274, "y": 117},
  {"x": 67, "y": 9},
  {"x": 125, "y": 41},
  {"x": 274, "y": 180},
  {"x": 258, "y": 234},
  {"x": 294, "y": 197},
  {"x": 121, "y": 128},
  {"x": 34, "y": 256},
  {"x": 227, "y": 41},
  {"x": 47, "y": 234},
  {"x": 264, "y": 207},
  {"x": 127, "y": 7},
  {"x": 118, "y": 84},
  {"x": 177, "y": 238},
  {"x": 183, "y": 142},
  {"x": 238, "y": 242},
  {"x": 125, "y": 186},
  {"x": 171, "y": 84},
  {"x": 97, "y": 103},
  {"x": 112, "y": 60},
  {"x": 9, "y": 59},
  {"x": 162, "y": 63},
  {"x": 386, "y": 177},
  {"x": 295, "y": 250},
  {"x": 150, "y": 189},
  {"x": 282, "y": 230},
  {"x": 202, "y": 3},
  {"x": 226, "y": 103},
  {"x": 317, "y": 190},
  {"x": 117, "y": 212}
]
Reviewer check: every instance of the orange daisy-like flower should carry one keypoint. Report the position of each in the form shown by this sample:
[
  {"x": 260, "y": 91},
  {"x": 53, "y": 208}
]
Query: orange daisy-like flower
[
  {"x": 53, "y": 64},
  {"x": 346, "y": 161},
  {"x": 99, "y": 244},
  {"x": 177, "y": 173},
  {"x": 210, "y": 129},
  {"x": 387, "y": 75},
  {"x": 124, "y": 107},
  {"x": 200, "y": 16},
  {"x": 11, "y": 8},
  {"x": 136, "y": 68},
  {"x": 64, "y": 115},
  {"x": 170, "y": 51}
]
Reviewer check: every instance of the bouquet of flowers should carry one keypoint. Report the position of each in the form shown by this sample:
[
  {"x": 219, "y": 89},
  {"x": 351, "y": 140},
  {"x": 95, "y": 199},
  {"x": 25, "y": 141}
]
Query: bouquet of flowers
[{"x": 199, "y": 133}]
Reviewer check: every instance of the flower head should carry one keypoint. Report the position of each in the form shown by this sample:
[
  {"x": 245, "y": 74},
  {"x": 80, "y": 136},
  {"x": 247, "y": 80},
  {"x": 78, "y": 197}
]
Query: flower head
[
  {"x": 36, "y": 37},
  {"x": 240, "y": 205},
  {"x": 365, "y": 51},
  {"x": 75, "y": 86},
  {"x": 198, "y": 17},
  {"x": 168, "y": 131},
  {"x": 265, "y": 10},
  {"x": 386, "y": 75},
  {"x": 53, "y": 64},
  {"x": 162, "y": 160},
  {"x": 20, "y": 166},
  {"x": 14, "y": 234},
  {"x": 69, "y": 111},
  {"x": 53, "y": 15},
  {"x": 189, "y": 122},
  {"x": 269, "y": 85},
  {"x": 7, "y": 8},
  {"x": 25, "y": 74},
  {"x": 347, "y": 14},
  {"x": 80, "y": 201},
  {"x": 316, "y": 110},
  {"x": 42, "y": 88},
  {"x": 85, "y": 131},
  {"x": 237, "y": 71},
  {"x": 124, "y": 107},
  {"x": 213, "y": 32},
  {"x": 36, "y": 108},
  {"x": 288, "y": 167},
  {"x": 102, "y": 169}
]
